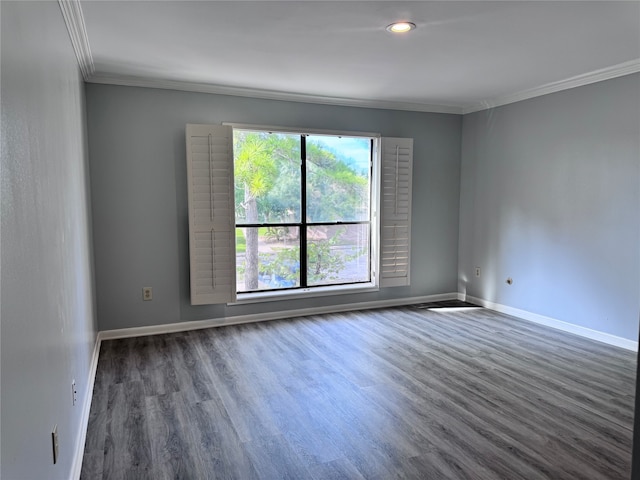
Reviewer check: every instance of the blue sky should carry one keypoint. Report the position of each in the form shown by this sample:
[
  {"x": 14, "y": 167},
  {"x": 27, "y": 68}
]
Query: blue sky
[{"x": 354, "y": 148}]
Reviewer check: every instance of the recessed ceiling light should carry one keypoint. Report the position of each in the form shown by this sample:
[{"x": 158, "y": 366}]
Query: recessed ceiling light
[{"x": 401, "y": 27}]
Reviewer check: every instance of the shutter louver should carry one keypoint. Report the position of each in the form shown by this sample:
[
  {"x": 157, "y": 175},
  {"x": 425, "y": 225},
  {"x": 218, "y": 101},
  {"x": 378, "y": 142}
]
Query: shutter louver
[
  {"x": 211, "y": 214},
  {"x": 395, "y": 219}
]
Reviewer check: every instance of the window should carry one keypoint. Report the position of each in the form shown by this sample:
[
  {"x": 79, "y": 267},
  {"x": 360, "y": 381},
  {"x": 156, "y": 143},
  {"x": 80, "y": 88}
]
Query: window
[
  {"x": 302, "y": 209},
  {"x": 261, "y": 219}
]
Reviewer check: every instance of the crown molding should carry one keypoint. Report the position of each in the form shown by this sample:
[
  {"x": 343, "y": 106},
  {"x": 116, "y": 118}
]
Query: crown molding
[
  {"x": 622, "y": 69},
  {"x": 146, "y": 82},
  {"x": 619, "y": 70},
  {"x": 74, "y": 20}
]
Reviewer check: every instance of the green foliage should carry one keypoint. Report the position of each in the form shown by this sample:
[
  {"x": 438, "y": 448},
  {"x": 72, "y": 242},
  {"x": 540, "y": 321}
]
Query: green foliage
[
  {"x": 276, "y": 234},
  {"x": 241, "y": 242},
  {"x": 267, "y": 169},
  {"x": 335, "y": 191},
  {"x": 324, "y": 261},
  {"x": 254, "y": 166}
]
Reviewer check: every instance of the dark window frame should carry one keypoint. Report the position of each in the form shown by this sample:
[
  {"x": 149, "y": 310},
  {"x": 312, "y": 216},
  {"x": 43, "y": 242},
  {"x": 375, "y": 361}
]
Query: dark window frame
[{"x": 303, "y": 225}]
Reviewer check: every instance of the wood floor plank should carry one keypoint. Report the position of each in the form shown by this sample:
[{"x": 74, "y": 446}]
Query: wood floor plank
[
  {"x": 246, "y": 409},
  {"x": 126, "y": 450},
  {"x": 408, "y": 392},
  {"x": 171, "y": 438},
  {"x": 92, "y": 463},
  {"x": 339, "y": 469},
  {"x": 273, "y": 457},
  {"x": 219, "y": 449},
  {"x": 192, "y": 377}
]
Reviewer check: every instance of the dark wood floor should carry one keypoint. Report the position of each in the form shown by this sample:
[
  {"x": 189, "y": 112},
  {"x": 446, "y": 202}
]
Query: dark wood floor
[{"x": 383, "y": 394}]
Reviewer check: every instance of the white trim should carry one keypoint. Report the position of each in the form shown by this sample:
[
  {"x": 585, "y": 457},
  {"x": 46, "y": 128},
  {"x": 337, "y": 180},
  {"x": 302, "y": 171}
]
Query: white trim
[
  {"x": 132, "y": 81},
  {"x": 374, "y": 187},
  {"x": 554, "y": 323},
  {"x": 260, "y": 317},
  {"x": 622, "y": 69},
  {"x": 308, "y": 292},
  {"x": 76, "y": 468},
  {"x": 619, "y": 70},
  {"x": 74, "y": 20},
  {"x": 300, "y": 131}
]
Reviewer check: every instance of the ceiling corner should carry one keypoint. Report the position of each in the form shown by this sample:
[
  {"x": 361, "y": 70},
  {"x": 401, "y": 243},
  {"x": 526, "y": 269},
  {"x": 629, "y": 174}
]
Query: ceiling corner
[
  {"x": 614, "y": 71},
  {"x": 74, "y": 20}
]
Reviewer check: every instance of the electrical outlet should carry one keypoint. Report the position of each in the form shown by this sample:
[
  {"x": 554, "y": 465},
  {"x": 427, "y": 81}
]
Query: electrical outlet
[
  {"x": 54, "y": 440},
  {"x": 74, "y": 393},
  {"x": 477, "y": 271},
  {"x": 147, "y": 293}
]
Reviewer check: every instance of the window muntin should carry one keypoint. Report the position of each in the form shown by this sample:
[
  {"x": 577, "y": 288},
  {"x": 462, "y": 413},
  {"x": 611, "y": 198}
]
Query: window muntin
[{"x": 303, "y": 212}]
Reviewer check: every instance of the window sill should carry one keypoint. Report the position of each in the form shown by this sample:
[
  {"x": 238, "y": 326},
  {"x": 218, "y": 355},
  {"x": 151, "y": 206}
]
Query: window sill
[{"x": 258, "y": 297}]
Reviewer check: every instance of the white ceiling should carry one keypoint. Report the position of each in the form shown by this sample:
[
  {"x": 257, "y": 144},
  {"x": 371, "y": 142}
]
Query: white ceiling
[{"x": 461, "y": 56}]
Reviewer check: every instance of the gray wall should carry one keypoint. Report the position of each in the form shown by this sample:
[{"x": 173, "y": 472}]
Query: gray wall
[
  {"x": 139, "y": 196},
  {"x": 550, "y": 195},
  {"x": 48, "y": 319}
]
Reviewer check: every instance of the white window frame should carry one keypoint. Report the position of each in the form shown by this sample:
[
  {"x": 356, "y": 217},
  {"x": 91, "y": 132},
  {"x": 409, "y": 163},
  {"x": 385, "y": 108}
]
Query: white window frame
[{"x": 325, "y": 290}]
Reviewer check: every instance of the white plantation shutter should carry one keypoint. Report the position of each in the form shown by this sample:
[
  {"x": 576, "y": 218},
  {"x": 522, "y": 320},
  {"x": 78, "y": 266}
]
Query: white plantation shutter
[
  {"x": 395, "y": 219},
  {"x": 211, "y": 214}
]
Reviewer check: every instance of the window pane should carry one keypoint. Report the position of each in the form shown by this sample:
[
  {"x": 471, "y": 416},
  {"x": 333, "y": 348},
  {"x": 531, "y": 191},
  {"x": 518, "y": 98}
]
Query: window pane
[
  {"x": 338, "y": 176},
  {"x": 337, "y": 254},
  {"x": 267, "y": 177},
  {"x": 267, "y": 258}
]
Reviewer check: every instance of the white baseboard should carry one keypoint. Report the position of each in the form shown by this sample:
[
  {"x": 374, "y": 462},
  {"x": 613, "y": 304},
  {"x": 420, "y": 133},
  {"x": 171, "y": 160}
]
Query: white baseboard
[
  {"x": 86, "y": 409},
  {"x": 553, "y": 323},
  {"x": 259, "y": 317}
]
